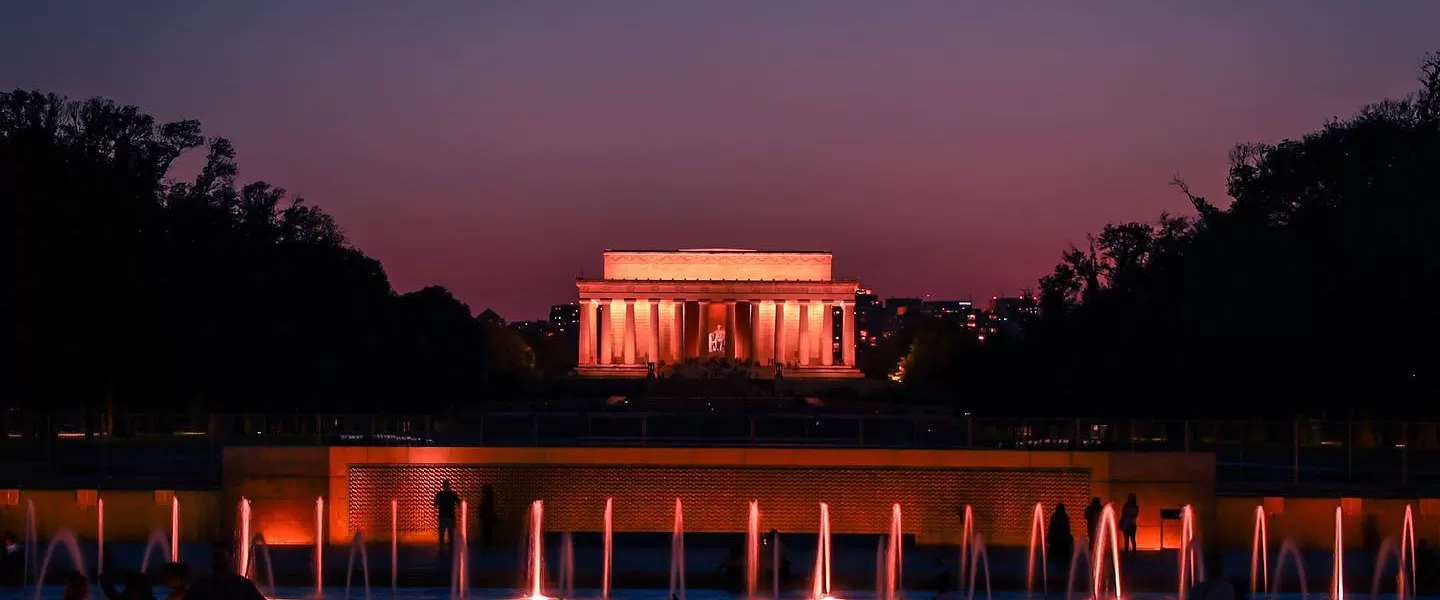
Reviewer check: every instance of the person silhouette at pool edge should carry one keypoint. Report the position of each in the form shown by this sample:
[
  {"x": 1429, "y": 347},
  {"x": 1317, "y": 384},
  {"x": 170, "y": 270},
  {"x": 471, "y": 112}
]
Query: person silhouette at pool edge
[
  {"x": 445, "y": 501},
  {"x": 487, "y": 515},
  {"x": 223, "y": 583}
]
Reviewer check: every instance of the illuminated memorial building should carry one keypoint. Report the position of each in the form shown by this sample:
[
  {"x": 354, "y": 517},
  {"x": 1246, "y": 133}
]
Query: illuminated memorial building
[{"x": 765, "y": 309}]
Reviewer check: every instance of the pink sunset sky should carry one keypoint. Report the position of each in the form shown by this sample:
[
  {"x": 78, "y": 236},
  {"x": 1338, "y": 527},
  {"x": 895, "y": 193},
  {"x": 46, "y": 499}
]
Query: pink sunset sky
[{"x": 943, "y": 148}]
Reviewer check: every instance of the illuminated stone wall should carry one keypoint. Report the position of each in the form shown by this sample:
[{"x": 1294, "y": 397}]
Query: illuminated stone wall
[
  {"x": 716, "y": 483},
  {"x": 130, "y": 515},
  {"x": 718, "y": 266},
  {"x": 715, "y": 499},
  {"x": 283, "y": 482}
]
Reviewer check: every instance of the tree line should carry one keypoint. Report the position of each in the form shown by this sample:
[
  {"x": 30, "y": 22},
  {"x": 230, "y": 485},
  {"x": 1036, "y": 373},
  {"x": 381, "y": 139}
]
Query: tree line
[
  {"x": 129, "y": 291},
  {"x": 1314, "y": 291}
]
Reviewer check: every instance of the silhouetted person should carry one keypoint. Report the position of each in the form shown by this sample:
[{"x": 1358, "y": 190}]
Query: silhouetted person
[
  {"x": 1058, "y": 537},
  {"x": 1215, "y": 586},
  {"x": 1092, "y": 519},
  {"x": 12, "y": 560},
  {"x": 487, "y": 515},
  {"x": 1370, "y": 532},
  {"x": 943, "y": 577},
  {"x": 1129, "y": 520},
  {"x": 223, "y": 583},
  {"x": 445, "y": 502},
  {"x": 77, "y": 587},
  {"x": 1424, "y": 566},
  {"x": 173, "y": 576},
  {"x": 137, "y": 587}
]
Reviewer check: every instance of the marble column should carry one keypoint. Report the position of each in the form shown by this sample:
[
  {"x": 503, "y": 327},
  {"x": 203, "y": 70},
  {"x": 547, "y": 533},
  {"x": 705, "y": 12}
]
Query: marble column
[
  {"x": 754, "y": 352},
  {"x": 730, "y": 345},
  {"x": 677, "y": 331},
  {"x": 827, "y": 334},
  {"x": 702, "y": 310},
  {"x": 629, "y": 331},
  {"x": 847, "y": 333},
  {"x": 779, "y": 353},
  {"x": 654, "y": 354},
  {"x": 765, "y": 331},
  {"x": 805, "y": 341},
  {"x": 587, "y": 332},
  {"x": 607, "y": 320}
]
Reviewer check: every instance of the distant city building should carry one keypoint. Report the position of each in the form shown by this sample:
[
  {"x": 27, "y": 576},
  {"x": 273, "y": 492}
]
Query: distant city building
[
  {"x": 490, "y": 317},
  {"x": 1013, "y": 314},
  {"x": 534, "y": 328},
  {"x": 565, "y": 318},
  {"x": 869, "y": 318},
  {"x": 952, "y": 311},
  {"x": 902, "y": 313}
]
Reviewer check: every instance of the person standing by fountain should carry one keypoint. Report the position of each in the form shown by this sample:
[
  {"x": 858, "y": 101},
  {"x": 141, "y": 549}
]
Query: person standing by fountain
[
  {"x": 1425, "y": 560},
  {"x": 445, "y": 501},
  {"x": 137, "y": 587},
  {"x": 487, "y": 515},
  {"x": 12, "y": 560},
  {"x": 223, "y": 583},
  {"x": 1092, "y": 518},
  {"x": 1060, "y": 540},
  {"x": 1215, "y": 586},
  {"x": 1129, "y": 520},
  {"x": 173, "y": 576},
  {"x": 77, "y": 587}
]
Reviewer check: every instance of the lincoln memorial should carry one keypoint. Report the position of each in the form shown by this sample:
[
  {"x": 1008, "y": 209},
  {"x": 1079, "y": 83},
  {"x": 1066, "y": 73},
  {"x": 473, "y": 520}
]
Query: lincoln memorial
[{"x": 766, "y": 309}]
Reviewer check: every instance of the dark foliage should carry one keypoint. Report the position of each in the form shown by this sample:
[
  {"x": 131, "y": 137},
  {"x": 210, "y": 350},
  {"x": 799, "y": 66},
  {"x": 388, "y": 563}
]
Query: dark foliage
[
  {"x": 132, "y": 292},
  {"x": 1313, "y": 291}
]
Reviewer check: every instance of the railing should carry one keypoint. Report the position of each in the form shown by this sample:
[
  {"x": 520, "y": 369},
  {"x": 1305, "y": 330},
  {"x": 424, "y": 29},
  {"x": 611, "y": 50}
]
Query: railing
[{"x": 1251, "y": 452}]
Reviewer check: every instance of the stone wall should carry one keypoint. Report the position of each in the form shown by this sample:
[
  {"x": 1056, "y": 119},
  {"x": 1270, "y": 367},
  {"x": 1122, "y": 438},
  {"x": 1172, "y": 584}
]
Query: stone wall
[{"x": 130, "y": 516}]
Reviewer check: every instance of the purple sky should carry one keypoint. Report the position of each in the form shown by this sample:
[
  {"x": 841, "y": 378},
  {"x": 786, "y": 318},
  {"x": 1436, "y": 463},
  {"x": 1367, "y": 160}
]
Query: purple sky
[{"x": 943, "y": 147}]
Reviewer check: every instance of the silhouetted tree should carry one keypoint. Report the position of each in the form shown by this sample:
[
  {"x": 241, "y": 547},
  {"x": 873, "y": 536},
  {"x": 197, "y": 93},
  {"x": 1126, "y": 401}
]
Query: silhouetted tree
[
  {"x": 1313, "y": 289},
  {"x": 132, "y": 292}
]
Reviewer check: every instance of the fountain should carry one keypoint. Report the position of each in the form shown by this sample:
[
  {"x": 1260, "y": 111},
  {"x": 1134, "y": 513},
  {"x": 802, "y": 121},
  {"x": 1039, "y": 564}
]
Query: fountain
[
  {"x": 1389, "y": 549},
  {"x": 535, "y": 567},
  {"x": 677, "y": 554},
  {"x": 752, "y": 550},
  {"x": 62, "y": 537},
  {"x": 1191, "y": 569},
  {"x": 880, "y": 545},
  {"x": 257, "y": 550},
  {"x": 242, "y": 565},
  {"x": 1259, "y": 554},
  {"x": 32, "y": 542},
  {"x": 174, "y": 529},
  {"x": 99, "y": 537},
  {"x": 319, "y": 546},
  {"x": 1081, "y": 552},
  {"x": 888, "y": 580},
  {"x": 775, "y": 553},
  {"x": 357, "y": 546},
  {"x": 1037, "y": 542},
  {"x": 460, "y": 556},
  {"x": 1105, "y": 538},
  {"x": 156, "y": 541},
  {"x": 394, "y": 547},
  {"x": 607, "y": 542},
  {"x": 1289, "y": 554},
  {"x": 567, "y": 565},
  {"x": 821, "y": 586},
  {"x": 967, "y": 532},
  {"x": 978, "y": 554},
  {"x": 1337, "y": 574},
  {"x": 1407, "y": 552}
]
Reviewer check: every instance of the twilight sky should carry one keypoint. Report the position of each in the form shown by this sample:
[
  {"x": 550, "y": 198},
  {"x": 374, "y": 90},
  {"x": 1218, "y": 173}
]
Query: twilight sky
[{"x": 950, "y": 148}]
